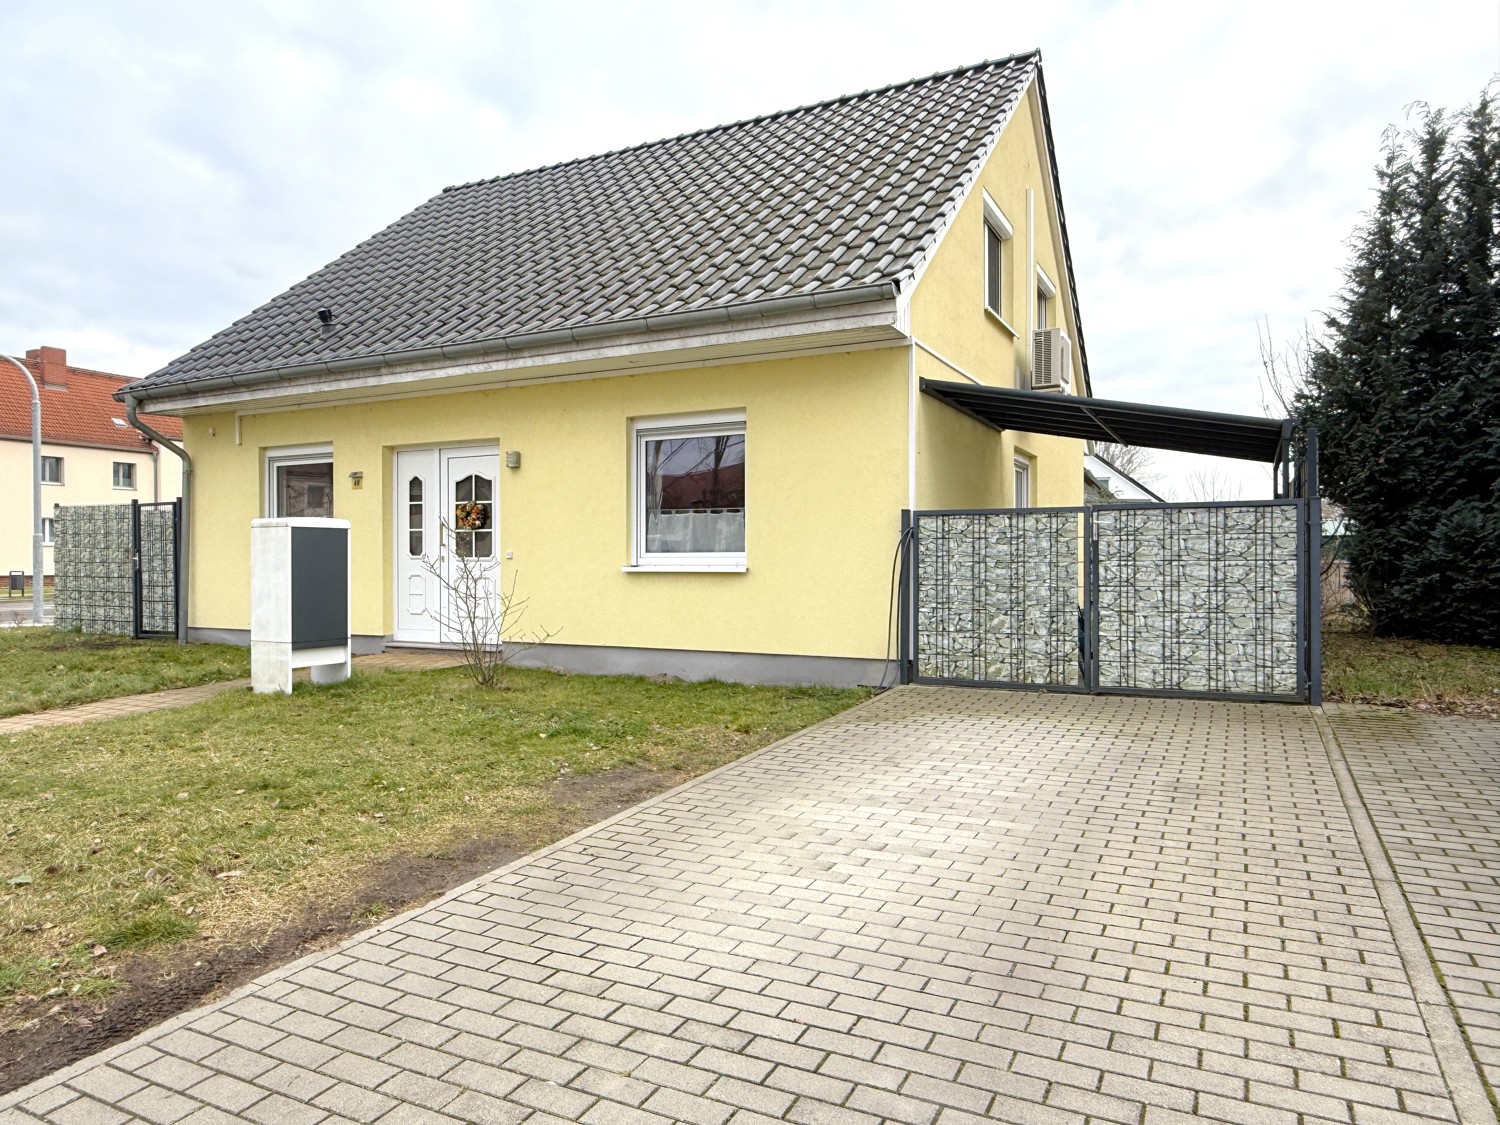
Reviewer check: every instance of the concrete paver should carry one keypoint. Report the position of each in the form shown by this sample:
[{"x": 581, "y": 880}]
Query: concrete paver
[
  {"x": 1432, "y": 788},
  {"x": 945, "y": 905}
]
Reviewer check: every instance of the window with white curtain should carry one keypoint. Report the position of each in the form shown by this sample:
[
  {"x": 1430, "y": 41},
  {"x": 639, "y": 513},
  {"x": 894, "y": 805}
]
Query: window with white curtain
[{"x": 689, "y": 493}]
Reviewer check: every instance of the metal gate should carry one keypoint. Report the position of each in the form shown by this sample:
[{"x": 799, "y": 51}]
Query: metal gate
[
  {"x": 1160, "y": 599},
  {"x": 116, "y": 568},
  {"x": 156, "y": 536}
]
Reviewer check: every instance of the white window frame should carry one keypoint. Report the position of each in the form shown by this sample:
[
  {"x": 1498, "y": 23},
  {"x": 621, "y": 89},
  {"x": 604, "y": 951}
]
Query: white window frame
[
  {"x": 1022, "y": 476},
  {"x": 1046, "y": 291},
  {"x": 285, "y": 457},
  {"x": 61, "y": 470},
  {"x": 995, "y": 222},
  {"x": 643, "y": 430},
  {"x": 114, "y": 473},
  {"x": 49, "y": 529}
]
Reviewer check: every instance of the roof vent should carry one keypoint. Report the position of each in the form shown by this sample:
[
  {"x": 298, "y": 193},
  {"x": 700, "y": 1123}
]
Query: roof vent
[{"x": 325, "y": 315}]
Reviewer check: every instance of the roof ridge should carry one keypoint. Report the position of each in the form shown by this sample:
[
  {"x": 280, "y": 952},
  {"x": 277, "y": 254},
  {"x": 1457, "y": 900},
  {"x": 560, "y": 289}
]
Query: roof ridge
[{"x": 1034, "y": 53}]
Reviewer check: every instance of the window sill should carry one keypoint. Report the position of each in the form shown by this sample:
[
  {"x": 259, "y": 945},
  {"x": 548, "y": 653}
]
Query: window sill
[
  {"x": 685, "y": 568},
  {"x": 1001, "y": 321}
]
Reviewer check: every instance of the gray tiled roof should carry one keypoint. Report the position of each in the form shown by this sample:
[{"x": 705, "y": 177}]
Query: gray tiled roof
[{"x": 829, "y": 197}]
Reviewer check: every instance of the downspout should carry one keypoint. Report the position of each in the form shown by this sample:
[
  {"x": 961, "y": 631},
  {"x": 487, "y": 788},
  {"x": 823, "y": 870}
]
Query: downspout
[
  {"x": 36, "y": 492},
  {"x": 186, "y": 540}
]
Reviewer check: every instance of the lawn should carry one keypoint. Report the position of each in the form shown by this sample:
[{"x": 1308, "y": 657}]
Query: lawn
[
  {"x": 214, "y": 824},
  {"x": 45, "y": 668},
  {"x": 1362, "y": 668}
]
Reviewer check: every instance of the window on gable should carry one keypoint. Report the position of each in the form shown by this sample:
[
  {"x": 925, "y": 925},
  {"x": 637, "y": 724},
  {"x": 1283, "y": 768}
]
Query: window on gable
[
  {"x": 1045, "y": 292},
  {"x": 689, "y": 502},
  {"x": 997, "y": 232},
  {"x": 994, "y": 247}
]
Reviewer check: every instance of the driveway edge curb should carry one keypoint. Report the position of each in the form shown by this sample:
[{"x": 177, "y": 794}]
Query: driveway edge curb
[{"x": 1450, "y": 1045}]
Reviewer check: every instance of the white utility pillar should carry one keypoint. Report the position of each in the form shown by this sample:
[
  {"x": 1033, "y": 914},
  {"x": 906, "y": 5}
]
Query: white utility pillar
[{"x": 299, "y": 601}]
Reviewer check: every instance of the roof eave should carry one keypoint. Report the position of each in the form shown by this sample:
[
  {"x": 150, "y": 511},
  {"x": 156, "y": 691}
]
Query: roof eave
[{"x": 587, "y": 335}]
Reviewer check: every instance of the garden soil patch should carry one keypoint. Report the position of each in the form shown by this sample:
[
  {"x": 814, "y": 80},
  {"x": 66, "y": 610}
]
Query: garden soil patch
[{"x": 45, "y": 1035}]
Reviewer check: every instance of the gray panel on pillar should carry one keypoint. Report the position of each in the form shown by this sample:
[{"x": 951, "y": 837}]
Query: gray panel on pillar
[{"x": 320, "y": 587}]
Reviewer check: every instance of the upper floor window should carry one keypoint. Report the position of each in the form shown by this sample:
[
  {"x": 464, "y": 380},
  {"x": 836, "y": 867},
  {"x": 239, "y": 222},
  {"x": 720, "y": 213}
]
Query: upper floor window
[
  {"x": 299, "y": 482},
  {"x": 1045, "y": 293},
  {"x": 52, "y": 470},
  {"x": 997, "y": 232},
  {"x": 124, "y": 474},
  {"x": 689, "y": 493}
]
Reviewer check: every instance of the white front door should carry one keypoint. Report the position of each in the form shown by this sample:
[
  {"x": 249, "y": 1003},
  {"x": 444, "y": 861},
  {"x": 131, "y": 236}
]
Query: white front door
[{"x": 447, "y": 511}]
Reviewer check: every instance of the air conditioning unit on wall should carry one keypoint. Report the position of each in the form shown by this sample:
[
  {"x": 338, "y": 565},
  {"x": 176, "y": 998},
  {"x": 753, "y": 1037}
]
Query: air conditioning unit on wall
[{"x": 1051, "y": 360}]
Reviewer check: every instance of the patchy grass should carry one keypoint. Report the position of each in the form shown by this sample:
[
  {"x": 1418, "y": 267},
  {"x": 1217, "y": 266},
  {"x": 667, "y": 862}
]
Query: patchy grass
[
  {"x": 47, "y": 668},
  {"x": 219, "y": 822},
  {"x": 1359, "y": 667}
]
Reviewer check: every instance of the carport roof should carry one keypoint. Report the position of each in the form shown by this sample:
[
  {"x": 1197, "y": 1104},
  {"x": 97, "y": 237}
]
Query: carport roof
[{"x": 1128, "y": 423}]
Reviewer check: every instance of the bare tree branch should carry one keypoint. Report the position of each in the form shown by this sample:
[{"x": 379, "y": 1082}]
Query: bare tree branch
[
  {"x": 1211, "y": 484},
  {"x": 1135, "y": 461},
  {"x": 1283, "y": 370},
  {"x": 476, "y": 612}
]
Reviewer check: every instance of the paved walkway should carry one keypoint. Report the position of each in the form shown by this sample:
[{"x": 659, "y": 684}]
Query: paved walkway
[
  {"x": 183, "y": 697},
  {"x": 945, "y": 906}
]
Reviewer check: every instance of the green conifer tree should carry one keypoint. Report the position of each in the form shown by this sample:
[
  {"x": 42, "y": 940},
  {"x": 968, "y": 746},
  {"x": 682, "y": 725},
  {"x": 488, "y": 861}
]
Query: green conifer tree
[{"x": 1405, "y": 388}]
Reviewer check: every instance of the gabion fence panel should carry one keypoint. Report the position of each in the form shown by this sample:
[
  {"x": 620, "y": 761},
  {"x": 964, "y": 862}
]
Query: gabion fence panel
[
  {"x": 116, "y": 568},
  {"x": 92, "y": 557},
  {"x": 1199, "y": 598},
  {"x": 1195, "y": 599},
  {"x": 157, "y": 550},
  {"x": 998, "y": 596}
]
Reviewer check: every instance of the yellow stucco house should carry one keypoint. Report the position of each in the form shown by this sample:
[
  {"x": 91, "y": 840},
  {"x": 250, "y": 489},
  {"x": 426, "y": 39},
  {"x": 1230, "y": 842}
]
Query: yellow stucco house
[{"x": 674, "y": 391}]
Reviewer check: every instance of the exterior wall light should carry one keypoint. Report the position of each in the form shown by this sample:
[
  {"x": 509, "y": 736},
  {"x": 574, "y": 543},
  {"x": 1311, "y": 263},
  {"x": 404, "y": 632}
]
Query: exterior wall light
[
  {"x": 357, "y": 479},
  {"x": 512, "y": 458}
]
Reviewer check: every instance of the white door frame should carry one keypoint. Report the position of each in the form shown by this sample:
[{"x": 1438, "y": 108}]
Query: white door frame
[{"x": 437, "y": 500}]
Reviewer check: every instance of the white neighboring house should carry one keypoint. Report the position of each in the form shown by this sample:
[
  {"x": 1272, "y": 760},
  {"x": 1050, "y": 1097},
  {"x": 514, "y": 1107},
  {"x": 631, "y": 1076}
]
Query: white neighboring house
[
  {"x": 1105, "y": 484},
  {"x": 90, "y": 453}
]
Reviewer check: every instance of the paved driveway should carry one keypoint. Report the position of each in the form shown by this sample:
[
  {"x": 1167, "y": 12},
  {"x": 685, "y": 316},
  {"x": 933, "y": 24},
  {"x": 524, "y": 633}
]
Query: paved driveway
[{"x": 946, "y": 905}]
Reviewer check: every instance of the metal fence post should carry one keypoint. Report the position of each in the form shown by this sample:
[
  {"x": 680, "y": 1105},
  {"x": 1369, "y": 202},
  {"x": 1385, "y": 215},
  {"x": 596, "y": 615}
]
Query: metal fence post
[
  {"x": 137, "y": 625},
  {"x": 1089, "y": 641},
  {"x": 1314, "y": 508},
  {"x": 904, "y": 599}
]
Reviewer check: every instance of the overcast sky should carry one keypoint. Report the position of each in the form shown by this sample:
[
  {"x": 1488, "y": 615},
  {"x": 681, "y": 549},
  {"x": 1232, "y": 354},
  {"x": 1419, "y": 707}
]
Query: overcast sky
[{"x": 171, "y": 166}]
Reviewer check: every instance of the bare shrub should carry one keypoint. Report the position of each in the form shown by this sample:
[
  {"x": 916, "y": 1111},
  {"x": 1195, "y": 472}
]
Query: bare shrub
[{"x": 475, "y": 610}]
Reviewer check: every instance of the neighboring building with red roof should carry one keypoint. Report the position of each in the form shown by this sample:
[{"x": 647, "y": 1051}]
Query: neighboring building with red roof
[{"x": 90, "y": 453}]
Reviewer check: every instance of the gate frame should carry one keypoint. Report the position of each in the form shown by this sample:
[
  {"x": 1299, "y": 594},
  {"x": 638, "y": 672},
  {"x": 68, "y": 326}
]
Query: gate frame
[
  {"x": 139, "y": 630},
  {"x": 1308, "y": 525}
]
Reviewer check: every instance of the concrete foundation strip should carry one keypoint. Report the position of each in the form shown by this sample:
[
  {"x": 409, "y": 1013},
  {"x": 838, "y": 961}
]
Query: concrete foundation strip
[{"x": 1472, "y": 1097}]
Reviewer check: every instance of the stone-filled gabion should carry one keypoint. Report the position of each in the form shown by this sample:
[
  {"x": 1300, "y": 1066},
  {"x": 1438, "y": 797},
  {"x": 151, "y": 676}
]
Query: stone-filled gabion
[
  {"x": 1198, "y": 599},
  {"x": 1190, "y": 598},
  {"x": 998, "y": 596},
  {"x": 95, "y": 585}
]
